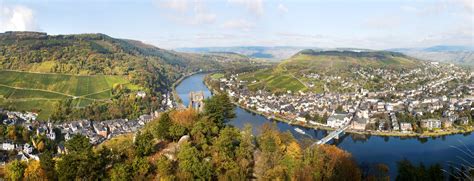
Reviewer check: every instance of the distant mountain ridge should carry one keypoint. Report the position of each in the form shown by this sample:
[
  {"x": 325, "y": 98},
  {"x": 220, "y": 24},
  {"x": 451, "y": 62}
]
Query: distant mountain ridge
[
  {"x": 462, "y": 55},
  {"x": 271, "y": 53}
]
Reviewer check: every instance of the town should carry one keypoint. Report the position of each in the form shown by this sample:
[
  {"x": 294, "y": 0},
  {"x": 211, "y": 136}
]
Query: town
[
  {"x": 440, "y": 103},
  {"x": 24, "y": 136}
]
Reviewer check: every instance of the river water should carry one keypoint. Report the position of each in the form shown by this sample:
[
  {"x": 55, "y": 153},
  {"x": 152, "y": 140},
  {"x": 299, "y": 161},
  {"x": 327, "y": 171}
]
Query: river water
[{"x": 365, "y": 149}]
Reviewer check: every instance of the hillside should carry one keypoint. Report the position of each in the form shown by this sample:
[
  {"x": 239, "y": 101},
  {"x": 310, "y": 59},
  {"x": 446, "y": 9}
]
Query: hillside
[
  {"x": 39, "y": 71},
  {"x": 462, "y": 55},
  {"x": 311, "y": 70},
  {"x": 91, "y": 54},
  {"x": 340, "y": 60}
]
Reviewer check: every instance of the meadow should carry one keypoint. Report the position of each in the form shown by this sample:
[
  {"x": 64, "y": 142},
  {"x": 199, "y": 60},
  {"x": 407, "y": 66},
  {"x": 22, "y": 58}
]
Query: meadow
[{"x": 26, "y": 91}]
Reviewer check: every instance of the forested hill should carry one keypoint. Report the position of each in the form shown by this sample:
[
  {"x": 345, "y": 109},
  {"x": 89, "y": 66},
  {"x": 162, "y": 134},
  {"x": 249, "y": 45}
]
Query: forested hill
[{"x": 97, "y": 54}]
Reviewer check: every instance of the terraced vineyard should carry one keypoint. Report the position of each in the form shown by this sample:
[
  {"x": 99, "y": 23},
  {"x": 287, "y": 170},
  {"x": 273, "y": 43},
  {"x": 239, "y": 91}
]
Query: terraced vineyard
[{"x": 40, "y": 91}]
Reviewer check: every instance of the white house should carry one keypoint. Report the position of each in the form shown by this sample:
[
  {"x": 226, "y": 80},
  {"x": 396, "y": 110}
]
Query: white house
[
  {"x": 337, "y": 120},
  {"x": 406, "y": 127},
  {"x": 27, "y": 148},
  {"x": 8, "y": 146},
  {"x": 141, "y": 94}
]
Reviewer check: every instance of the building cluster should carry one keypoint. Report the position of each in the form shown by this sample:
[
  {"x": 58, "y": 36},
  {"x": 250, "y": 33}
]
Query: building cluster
[
  {"x": 96, "y": 131},
  {"x": 442, "y": 101}
]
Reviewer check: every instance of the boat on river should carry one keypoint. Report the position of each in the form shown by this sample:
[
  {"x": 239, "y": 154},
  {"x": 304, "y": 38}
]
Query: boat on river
[{"x": 299, "y": 130}]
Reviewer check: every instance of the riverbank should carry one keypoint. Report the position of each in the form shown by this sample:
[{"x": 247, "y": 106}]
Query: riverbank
[
  {"x": 426, "y": 134},
  {"x": 177, "y": 82}
]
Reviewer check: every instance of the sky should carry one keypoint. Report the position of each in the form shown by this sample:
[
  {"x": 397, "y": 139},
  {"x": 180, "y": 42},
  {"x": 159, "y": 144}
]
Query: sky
[{"x": 372, "y": 24}]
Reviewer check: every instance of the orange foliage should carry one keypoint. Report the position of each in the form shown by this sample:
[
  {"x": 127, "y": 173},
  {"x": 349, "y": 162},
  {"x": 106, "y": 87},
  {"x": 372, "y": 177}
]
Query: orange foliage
[
  {"x": 339, "y": 164},
  {"x": 184, "y": 118}
]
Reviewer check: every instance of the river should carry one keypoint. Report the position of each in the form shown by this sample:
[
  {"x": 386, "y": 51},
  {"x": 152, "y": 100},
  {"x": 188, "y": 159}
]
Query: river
[{"x": 365, "y": 149}]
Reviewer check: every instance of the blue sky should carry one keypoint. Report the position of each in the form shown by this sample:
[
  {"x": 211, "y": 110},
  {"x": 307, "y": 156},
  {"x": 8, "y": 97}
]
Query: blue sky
[{"x": 374, "y": 24}]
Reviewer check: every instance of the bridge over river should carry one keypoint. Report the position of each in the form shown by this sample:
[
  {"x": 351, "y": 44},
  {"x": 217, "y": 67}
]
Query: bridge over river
[{"x": 333, "y": 135}]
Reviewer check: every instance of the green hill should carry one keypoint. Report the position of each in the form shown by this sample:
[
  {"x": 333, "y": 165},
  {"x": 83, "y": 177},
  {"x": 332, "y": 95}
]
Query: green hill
[
  {"x": 38, "y": 71},
  {"x": 291, "y": 74}
]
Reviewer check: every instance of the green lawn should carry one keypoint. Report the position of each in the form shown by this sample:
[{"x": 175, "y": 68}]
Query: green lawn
[
  {"x": 26, "y": 91},
  {"x": 44, "y": 107},
  {"x": 217, "y": 76}
]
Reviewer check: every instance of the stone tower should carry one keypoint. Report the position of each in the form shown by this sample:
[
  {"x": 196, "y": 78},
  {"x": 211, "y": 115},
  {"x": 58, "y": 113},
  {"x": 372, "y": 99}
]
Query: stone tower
[{"x": 196, "y": 100}]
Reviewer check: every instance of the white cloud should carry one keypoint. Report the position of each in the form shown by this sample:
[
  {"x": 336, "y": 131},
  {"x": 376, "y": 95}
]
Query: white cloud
[
  {"x": 177, "y": 5},
  {"x": 240, "y": 24},
  {"x": 203, "y": 18},
  {"x": 468, "y": 5},
  {"x": 282, "y": 9},
  {"x": 253, "y": 6},
  {"x": 409, "y": 8},
  {"x": 17, "y": 18},
  {"x": 386, "y": 22},
  {"x": 186, "y": 11}
]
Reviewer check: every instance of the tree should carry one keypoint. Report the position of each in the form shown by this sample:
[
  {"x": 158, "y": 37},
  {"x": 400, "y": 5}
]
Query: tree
[
  {"x": 25, "y": 135},
  {"x": 78, "y": 143},
  {"x": 121, "y": 172},
  {"x": 377, "y": 172},
  {"x": 40, "y": 146},
  {"x": 47, "y": 165},
  {"x": 219, "y": 108},
  {"x": 407, "y": 171},
  {"x": 12, "y": 132},
  {"x": 192, "y": 163},
  {"x": 80, "y": 163},
  {"x": 34, "y": 172},
  {"x": 161, "y": 130},
  {"x": 224, "y": 157},
  {"x": 143, "y": 143},
  {"x": 176, "y": 131},
  {"x": 14, "y": 170},
  {"x": 244, "y": 153},
  {"x": 185, "y": 117},
  {"x": 164, "y": 167},
  {"x": 140, "y": 167}
]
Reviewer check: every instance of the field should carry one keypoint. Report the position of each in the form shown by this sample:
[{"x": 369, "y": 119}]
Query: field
[
  {"x": 217, "y": 76},
  {"x": 39, "y": 92},
  {"x": 270, "y": 80}
]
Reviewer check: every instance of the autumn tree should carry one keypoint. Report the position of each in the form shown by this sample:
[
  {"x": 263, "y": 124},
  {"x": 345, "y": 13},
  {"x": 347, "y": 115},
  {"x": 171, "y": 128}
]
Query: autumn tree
[
  {"x": 244, "y": 153},
  {"x": 120, "y": 172},
  {"x": 185, "y": 118},
  {"x": 15, "y": 170},
  {"x": 271, "y": 163},
  {"x": 140, "y": 168},
  {"x": 164, "y": 168},
  {"x": 33, "y": 171}
]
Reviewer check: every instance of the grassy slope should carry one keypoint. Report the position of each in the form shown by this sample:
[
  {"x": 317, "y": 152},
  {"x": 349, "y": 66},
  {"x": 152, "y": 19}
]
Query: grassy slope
[
  {"x": 287, "y": 75},
  {"x": 39, "y": 91}
]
